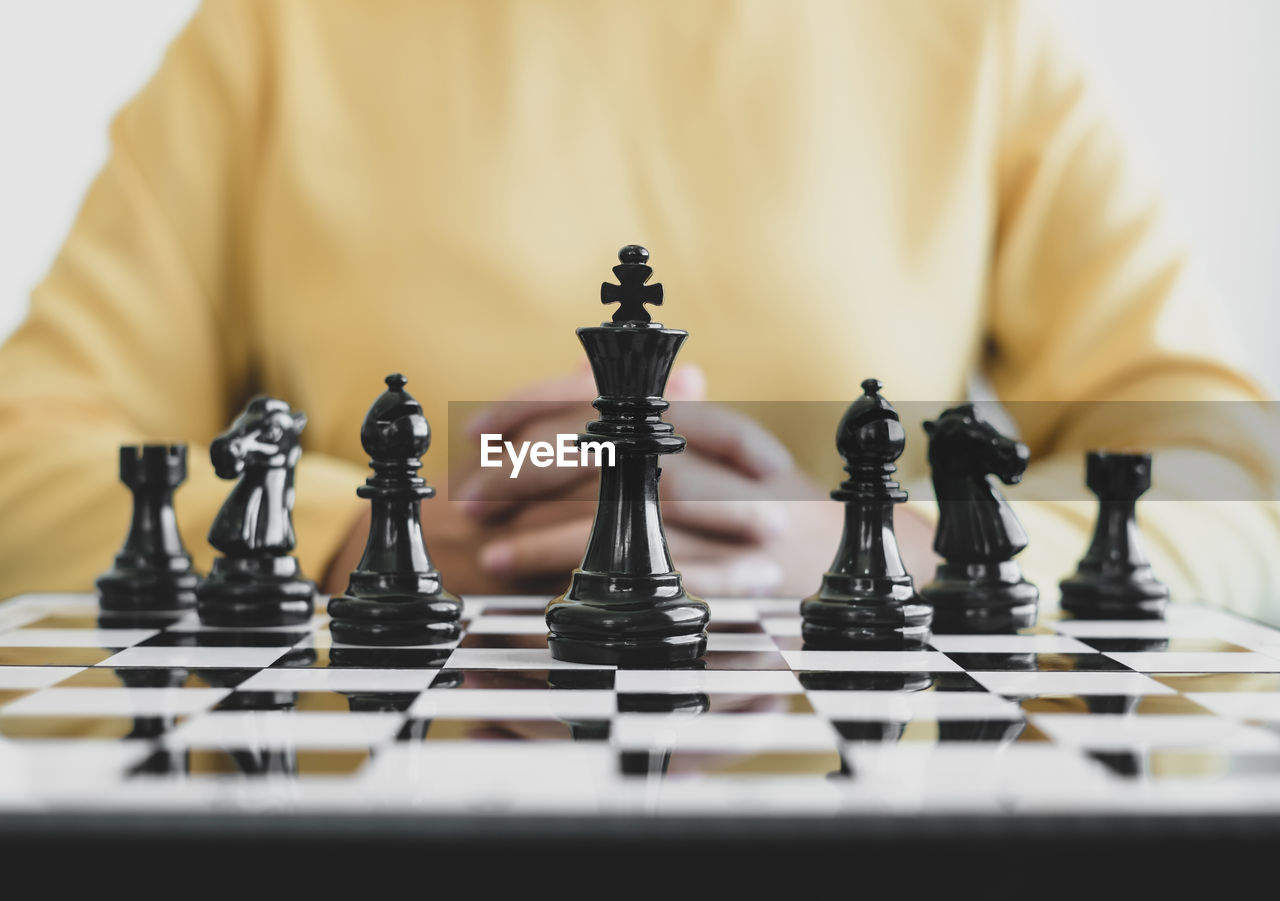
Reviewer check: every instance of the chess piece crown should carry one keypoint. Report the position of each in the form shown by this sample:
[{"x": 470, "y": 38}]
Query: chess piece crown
[{"x": 631, "y": 293}]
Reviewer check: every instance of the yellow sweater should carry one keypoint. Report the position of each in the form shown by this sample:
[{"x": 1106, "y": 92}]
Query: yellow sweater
[{"x": 310, "y": 195}]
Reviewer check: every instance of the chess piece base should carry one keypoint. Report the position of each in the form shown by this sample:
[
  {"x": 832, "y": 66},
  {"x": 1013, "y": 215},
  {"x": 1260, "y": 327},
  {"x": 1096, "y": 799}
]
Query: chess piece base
[
  {"x": 147, "y": 591},
  {"x": 1094, "y": 596},
  {"x": 661, "y": 652},
  {"x": 391, "y": 613},
  {"x": 981, "y": 598},
  {"x": 632, "y": 633},
  {"x": 879, "y": 614},
  {"x": 255, "y": 591}
]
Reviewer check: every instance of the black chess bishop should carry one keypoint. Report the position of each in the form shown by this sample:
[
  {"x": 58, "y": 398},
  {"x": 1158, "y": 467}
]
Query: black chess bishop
[
  {"x": 257, "y": 582},
  {"x": 979, "y": 587},
  {"x": 867, "y": 598},
  {"x": 1114, "y": 579},
  {"x": 625, "y": 605},
  {"x": 153, "y": 571},
  {"x": 395, "y": 595}
]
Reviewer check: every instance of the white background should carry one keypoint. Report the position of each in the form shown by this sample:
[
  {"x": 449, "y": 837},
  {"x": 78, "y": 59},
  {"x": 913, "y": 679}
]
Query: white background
[{"x": 1197, "y": 82}]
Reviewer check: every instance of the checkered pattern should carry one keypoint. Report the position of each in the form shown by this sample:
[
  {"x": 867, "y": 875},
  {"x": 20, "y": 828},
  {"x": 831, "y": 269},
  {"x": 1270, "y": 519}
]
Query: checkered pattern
[{"x": 1174, "y": 715}]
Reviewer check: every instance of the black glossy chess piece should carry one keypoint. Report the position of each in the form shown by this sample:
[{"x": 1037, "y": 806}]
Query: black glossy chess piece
[
  {"x": 155, "y": 725},
  {"x": 1114, "y": 579},
  {"x": 979, "y": 587},
  {"x": 153, "y": 572},
  {"x": 165, "y": 759},
  {"x": 380, "y": 701},
  {"x": 654, "y": 762},
  {"x": 1123, "y": 763},
  {"x": 384, "y": 657},
  {"x": 884, "y": 731},
  {"x": 395, "y": 595},
  {"x": 998, "y": 731},
  {"x": 257, "y": 582},
  {"x": 835, "y": 680},
  {"x": 867, "y": 599},
  {"x": 625, "y": 604}
]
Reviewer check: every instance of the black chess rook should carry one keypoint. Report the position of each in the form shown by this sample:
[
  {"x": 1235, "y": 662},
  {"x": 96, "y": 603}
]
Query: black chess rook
[
  {"x": 1114, "y": 579},
  {"x": 257, "y": 582},
  {"x": 979, "y": 587},
  {"x": 153, "y": 571},
  {"x": 867, "y": 599},
  {"x": 395, "y": 595},
  {"x": 625, "y": 605}
]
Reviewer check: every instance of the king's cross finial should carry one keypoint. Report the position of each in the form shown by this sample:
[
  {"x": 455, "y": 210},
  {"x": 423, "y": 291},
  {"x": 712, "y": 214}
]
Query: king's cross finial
[{"x": 632, "y": 293}]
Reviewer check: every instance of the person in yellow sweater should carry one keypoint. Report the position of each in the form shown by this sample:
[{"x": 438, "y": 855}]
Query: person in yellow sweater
[{"x": 308, "y": 196}]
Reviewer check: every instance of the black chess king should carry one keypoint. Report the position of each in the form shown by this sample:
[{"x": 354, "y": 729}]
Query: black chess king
[
  {"x": 867, "y": 599},
  {"x": 625, "y": 604},
  {"x": 395, "y": 596}
]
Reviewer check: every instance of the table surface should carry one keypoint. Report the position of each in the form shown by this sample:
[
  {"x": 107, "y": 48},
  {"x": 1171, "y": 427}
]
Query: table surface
[{"x": 1074, "y": 717}]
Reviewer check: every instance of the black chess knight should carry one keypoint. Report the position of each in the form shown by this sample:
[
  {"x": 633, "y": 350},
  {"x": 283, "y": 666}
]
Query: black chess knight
[
  {"x": 979, "y": 587},
  {"x": 625, "y": 604},
  {"x": 867, "y": 599},
  {"x": 1114, "y": 579},
  {"x": 395, "y": 595},
  {"x": 153, "y": 571},
  {"x": 257, "y": 582}
]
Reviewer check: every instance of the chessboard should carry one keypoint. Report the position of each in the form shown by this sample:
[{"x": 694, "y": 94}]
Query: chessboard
[
  {"x": 1180, "y": 715},
  {"x": 1088, "y": 741}
]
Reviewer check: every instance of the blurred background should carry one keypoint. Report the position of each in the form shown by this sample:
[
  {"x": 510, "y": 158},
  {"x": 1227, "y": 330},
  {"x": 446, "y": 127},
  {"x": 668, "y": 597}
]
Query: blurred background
[{"x": 1196, "y": 82}]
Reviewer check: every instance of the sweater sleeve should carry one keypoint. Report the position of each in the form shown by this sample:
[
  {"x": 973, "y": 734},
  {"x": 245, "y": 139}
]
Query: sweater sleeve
[
  {"x": 140, "y": 331},
  {"x": 1102, "y": 335}
]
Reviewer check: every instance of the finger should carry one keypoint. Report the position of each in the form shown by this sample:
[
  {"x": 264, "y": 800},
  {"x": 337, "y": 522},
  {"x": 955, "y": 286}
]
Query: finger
[
  {"x": 698, "y": 493},
  {"x": 688, "y": 545},
  {"x": 749, "y": 574},
  {"x": 559, "y": 546},
  {"x": 489, "y": 493},
  {"x": 534, "y": 401},
  {"x": 723, "y": 434},
  {"x": 537, "y": 552},
  {"x": 692, "y": 477},
  {"x": 503, "y": 498},
  {"x": 575, "y": 386},
  {"x": 686, "y": 382},
  {"x": 751, "y": 521},
  {"x": 552, "y": 511}
]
